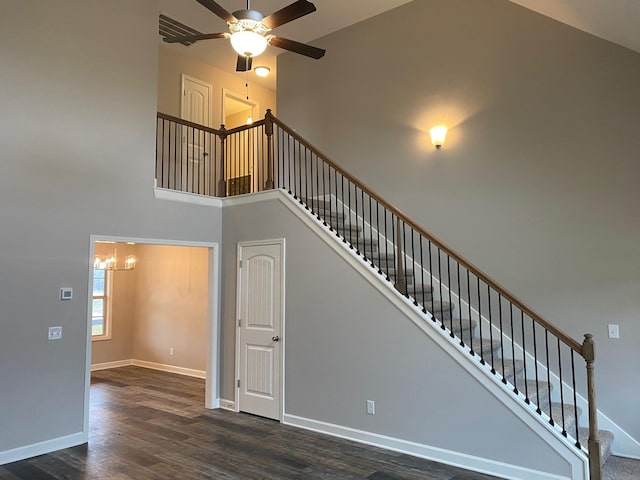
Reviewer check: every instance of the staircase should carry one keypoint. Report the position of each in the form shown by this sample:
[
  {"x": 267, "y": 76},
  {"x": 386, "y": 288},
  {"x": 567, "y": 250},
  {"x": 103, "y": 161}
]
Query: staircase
[
  {"x": 534, "y": 360},
  {"x": 442, "y": 313}
]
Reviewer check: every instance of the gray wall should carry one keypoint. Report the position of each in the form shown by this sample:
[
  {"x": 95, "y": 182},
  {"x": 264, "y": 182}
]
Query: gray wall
[
  {"x": 346, "y": 343},
  {"x": 537, "y": 183},
  {"x": 78, "y": 148}
]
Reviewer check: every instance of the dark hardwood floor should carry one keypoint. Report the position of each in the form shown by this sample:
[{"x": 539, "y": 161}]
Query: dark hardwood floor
[{"x": 153, "y": 425}]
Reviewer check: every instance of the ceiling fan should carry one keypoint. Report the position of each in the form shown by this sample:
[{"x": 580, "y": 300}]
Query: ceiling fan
[{"x": 249, "y": 31}]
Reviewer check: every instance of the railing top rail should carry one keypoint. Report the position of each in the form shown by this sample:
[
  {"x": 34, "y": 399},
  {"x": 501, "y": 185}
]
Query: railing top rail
[
  {"x": 570, "y": 342},
  {"x": 242, "y": 128},
  {"x": 187, "y": 123}
]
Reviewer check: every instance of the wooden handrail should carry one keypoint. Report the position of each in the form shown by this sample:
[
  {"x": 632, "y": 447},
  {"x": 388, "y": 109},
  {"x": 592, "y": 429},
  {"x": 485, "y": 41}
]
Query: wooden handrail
[
  {"x": 570, "y": 342},
  {"x": 241, "y": 128},
  {"x": 187, "y": 123}
]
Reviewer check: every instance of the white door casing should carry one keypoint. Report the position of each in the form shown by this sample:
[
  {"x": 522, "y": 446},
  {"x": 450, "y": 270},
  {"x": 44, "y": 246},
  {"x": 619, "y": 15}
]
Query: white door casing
[
  {"x": 195, "y": 107},
  {"x": 260, "y": 328}
]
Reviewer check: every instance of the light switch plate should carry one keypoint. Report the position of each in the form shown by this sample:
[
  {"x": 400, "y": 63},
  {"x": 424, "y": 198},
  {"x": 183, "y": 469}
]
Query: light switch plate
[
  {"x": 66, "y": 293},
  {"x": 55, "y": 333},
  {"x": 614, "y": 331}
]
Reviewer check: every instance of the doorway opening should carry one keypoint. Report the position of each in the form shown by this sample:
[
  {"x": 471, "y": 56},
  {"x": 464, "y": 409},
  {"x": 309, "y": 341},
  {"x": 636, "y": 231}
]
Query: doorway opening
[{"x": 162, "y": 314}]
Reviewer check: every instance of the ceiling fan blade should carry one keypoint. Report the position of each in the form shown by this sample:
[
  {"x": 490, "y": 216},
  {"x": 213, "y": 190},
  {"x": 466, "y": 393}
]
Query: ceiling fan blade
[
  {"x": 287, "y": 14},
  {"x": 297, "y": 47},
  {"x": 195, "y": 38},
  {"x": 218, "y": 10},
  {"x": 244, "y": 63}
]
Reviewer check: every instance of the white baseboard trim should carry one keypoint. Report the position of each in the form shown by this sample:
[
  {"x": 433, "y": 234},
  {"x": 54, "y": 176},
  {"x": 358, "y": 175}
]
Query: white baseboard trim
[
  {"x": 40, "y": 448},
  {"x": 189, "y": 372},
  {"x": 227, "y": 405},
  {"x": 107, "y": 365},
  {"x": 456, "y": 459}
]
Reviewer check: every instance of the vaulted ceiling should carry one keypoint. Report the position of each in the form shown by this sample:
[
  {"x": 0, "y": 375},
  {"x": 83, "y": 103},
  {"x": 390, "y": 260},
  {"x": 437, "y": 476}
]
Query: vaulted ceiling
[{"x": 614, "y": 20}]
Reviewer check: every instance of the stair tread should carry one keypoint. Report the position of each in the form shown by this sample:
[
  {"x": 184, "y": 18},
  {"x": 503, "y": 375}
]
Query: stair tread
[{"x": 606, "y": 439}]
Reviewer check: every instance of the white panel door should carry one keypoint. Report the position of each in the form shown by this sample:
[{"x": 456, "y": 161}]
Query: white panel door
[
  {"x": 196, "y": 108},
  {"x": 260, "y": 329}
]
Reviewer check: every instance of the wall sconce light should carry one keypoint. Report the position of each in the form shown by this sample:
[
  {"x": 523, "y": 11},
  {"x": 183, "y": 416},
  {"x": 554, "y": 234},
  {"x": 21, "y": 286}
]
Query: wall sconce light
[
  {"x": 262, "y": 71},
  {"x": 438, "y": 135}
]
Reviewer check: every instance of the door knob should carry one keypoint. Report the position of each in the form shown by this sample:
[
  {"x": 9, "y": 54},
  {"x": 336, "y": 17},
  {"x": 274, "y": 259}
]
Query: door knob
[{"x": 276, "y": 338}]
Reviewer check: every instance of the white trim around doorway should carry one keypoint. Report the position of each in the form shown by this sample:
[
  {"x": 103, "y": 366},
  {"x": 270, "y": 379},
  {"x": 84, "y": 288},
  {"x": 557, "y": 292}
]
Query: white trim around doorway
[{"x": 213, "y": 315}]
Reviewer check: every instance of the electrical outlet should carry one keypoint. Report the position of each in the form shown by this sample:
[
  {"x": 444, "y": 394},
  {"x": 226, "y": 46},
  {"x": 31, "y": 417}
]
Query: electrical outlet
[
  {"x": 614, "y": 331},
  {"x": 371, "y": 407},
  {"x": 55, "y": 333}
]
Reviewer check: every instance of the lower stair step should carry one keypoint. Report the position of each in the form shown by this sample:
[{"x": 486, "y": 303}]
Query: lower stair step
[
  {"x": 606, "y": 439},
  {"x": 537, "y": 393},
  {"x": 346, "y": 229},
  {"x": 569, "y": 416},
  {"x": 442, "y": 311},
  {"x": 464, "y": 329},
  {"x": 513, "y": 370}
]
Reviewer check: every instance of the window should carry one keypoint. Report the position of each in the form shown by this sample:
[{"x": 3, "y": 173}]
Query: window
[{"x": 101, "y": 305}]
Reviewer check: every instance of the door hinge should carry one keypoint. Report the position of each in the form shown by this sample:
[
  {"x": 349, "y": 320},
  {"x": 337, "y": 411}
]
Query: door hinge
[
  {"x": 238, "y": 383},
  {"x": 240, "y": 264},
  {"x": 184, "y": 92},
  {"x": 239, "y": 322}
]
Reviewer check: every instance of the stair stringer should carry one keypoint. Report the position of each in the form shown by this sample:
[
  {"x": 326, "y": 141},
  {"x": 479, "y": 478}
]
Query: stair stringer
[
  {"x": 623, "y": 444},
  {"x": 482, "y": 373}
]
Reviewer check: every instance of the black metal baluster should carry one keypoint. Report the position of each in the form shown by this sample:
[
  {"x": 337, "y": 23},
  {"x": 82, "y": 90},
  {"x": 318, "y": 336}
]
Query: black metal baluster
[
  {"x": 433, "y": 317},
  {"x": 413, "y": 264},
  {"x": 524, "y": 356},
  {"x": 575, "y": 400},
  {"x": 364, "y": 218},
  {"x": 546, "y": 346},
  {"x": 535, "y": 364},
  {"x": 450, "y": 301},
  {"x": 385, "y": 241},
  {"x": 289, "y": 160},
  {"x": 482, "y": 360},
  {"x": 344, "y": 237},
  {"x": 386, "y": 245},
  {"x": 424, "y": 310},
  {"x": 355, "y": 198},
  {"x": 335, "y": 175},
  {"x": 459, "y": 304},
  {"x": 306, "y": 181},
  {"x": 394, "y": 242},
  {"x": 470, "y": 316},
  {"x": 404, "y": 260},
  {"x": 564, "y": 428},
  {"x": 493, "y": 369},
  {"x": 504, "y": 380},
  {"x": 433, "y": 305},
  {"x": 513, "y": 348}
]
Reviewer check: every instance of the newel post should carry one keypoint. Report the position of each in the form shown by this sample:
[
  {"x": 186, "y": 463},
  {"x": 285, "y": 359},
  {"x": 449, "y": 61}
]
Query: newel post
[
  {"x": 268, "y": 130},
  {"x": 222, "y": 183},
  {"x": 595, "y": 460},
  {"x": 400, "y": 278}
]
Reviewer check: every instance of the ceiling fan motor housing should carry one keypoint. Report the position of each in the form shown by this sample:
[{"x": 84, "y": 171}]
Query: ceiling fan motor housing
[{"x": 250, "y": 20}]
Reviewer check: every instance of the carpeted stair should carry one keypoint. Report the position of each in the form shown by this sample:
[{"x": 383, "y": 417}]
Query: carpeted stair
[{"x": 465, "y": 330}]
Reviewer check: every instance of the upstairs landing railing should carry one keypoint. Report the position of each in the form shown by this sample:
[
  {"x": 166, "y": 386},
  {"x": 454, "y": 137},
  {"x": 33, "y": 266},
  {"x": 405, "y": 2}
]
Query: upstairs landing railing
[{"x": 524, "y": 350}]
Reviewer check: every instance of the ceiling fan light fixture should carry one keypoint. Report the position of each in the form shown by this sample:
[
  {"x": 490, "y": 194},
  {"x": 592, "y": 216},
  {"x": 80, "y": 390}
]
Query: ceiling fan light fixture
[{"x": 248, "y": 43}]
